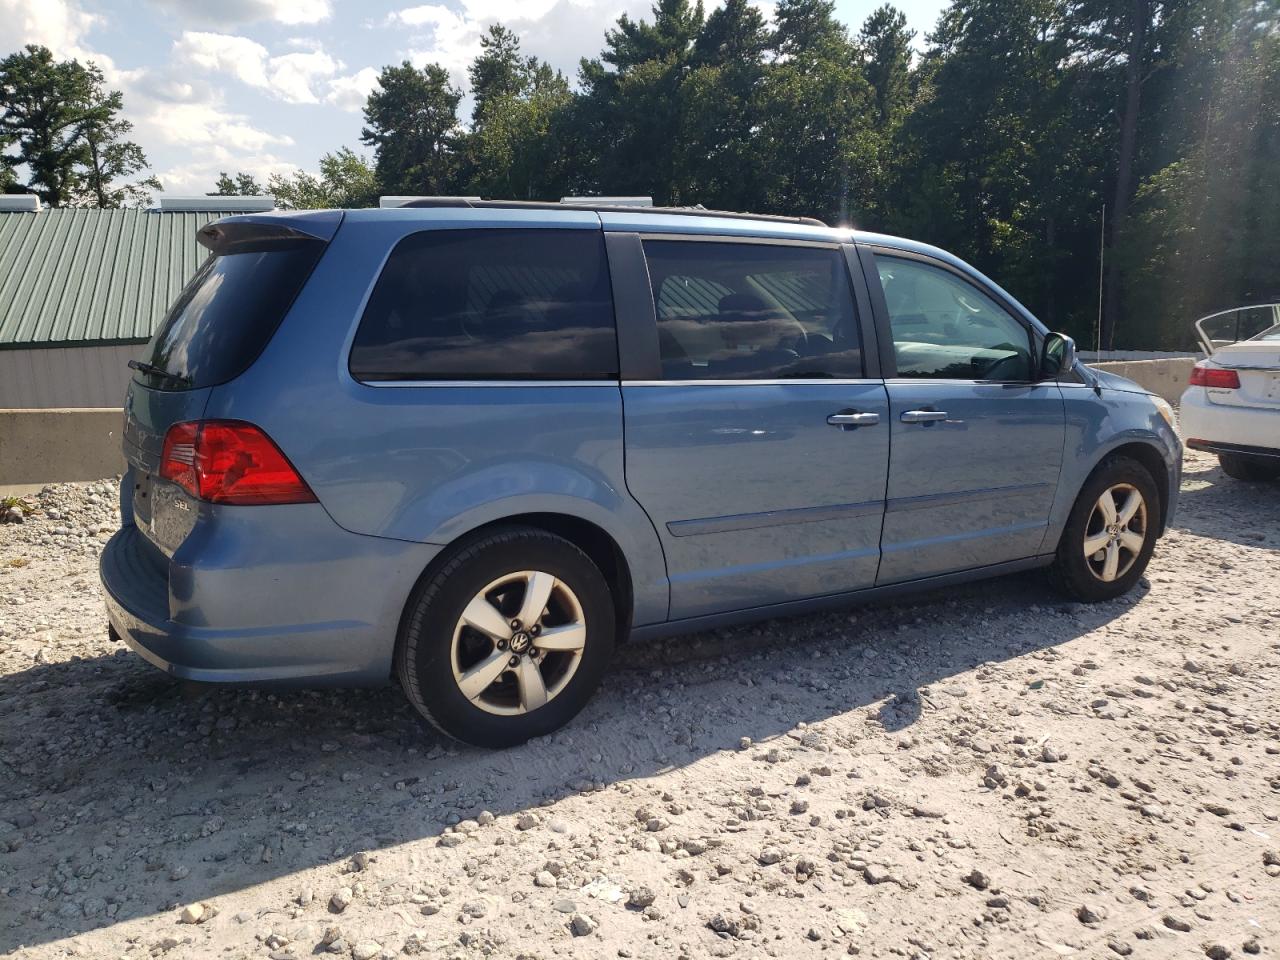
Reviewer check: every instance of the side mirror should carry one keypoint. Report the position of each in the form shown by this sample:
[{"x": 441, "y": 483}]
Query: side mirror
[{"x": 1058, "y": 357}]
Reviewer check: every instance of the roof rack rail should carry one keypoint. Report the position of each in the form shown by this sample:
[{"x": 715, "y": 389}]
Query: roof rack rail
[{"x": 604, "y": 207}]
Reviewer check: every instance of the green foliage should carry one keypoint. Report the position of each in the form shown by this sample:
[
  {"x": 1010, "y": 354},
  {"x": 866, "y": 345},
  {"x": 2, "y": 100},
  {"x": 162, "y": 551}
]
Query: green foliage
[
  {"x": 346, "y": 180},
  {"x": 411, "y": 121},
  {"x": 515, "y": 151},
  {"x": 500, "y": 72},
  {"x": 886, "y": 43},
  {"x": 241, "y": 185},
  {"x": 1204, "y": 236},
  {"x": 1001, "y": 140},
  {"x": 516, "y": 146},
  {"x": 68, "y": 133}
]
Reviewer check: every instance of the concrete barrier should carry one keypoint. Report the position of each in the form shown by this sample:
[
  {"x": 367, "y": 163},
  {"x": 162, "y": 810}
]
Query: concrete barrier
[
  {"x": 1164, "y": 378},
  {"x": 58, "y": 445}
]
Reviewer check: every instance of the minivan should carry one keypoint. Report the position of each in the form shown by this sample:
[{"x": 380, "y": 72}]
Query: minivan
[{"x": 473, "y": 445}]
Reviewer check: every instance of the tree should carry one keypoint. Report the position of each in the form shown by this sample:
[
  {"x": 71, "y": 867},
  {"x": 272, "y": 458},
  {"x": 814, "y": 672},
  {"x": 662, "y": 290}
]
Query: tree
[
  {"x": 113, "y": 160},
  {"x": 499, "y": 71},
  {"x": 8, "y": 174},
  {"x": 1000, "y": 160},
  {"x": 1121, "y": 37},
  {"x": 887, "y": 45},
  {"x": 43, "y": 114},
  {"x": 720, "y": 108},
  {"x": 517, "y": 151},
  {"x": 669, "y": 37},
  {"x": 1203, "y": 234},
  {"x": 412, "y": 124},
  {"x": 808, "y": 29},
  {"x": 817, "y": 115},
  {"x": 241, "y": 185},
  {"x": 629, "y": 117},
  {"x": 346, "y": 180},
  {"x": 68, "y": 132},
  {"x": 733, "y": 36}
]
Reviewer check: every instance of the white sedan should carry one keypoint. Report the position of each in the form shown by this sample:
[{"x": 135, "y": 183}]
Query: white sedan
[{"x": 1232, "y": 407}]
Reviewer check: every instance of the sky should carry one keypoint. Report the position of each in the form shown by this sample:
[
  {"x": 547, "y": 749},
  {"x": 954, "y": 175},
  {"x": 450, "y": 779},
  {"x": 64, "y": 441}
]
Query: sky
[{"x": 268, "y": 86}]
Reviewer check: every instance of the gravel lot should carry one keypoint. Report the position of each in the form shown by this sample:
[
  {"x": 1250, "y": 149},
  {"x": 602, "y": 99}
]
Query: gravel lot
[{"x": 986, "y": 772}]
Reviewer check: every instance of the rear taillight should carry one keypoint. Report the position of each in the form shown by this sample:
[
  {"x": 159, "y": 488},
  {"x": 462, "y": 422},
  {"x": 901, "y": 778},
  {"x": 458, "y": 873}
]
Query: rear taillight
[
  {"x": 1214, "y": 377},
  {"x": 230, "y": 461}
]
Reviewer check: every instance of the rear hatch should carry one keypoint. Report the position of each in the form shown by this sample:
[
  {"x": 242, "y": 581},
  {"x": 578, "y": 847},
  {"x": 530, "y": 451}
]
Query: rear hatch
[{"x": 215, "y": 330}]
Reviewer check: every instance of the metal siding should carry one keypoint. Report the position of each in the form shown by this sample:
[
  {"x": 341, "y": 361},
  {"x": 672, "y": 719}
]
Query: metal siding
[
  {"x": 84, "y": 376},
  {"x": 80, "y": 276}
]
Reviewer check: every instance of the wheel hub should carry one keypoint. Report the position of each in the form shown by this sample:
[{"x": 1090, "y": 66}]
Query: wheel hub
[
  {"x": 518, "y": 642},
  {"x": 1116, "y": 532}
]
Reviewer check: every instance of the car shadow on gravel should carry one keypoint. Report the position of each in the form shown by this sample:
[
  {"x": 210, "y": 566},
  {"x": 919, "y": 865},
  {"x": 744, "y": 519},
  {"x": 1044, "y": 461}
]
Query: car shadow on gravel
[
  {"x": 1219, "y": 507},
  {"x": 127, "y": 794}
]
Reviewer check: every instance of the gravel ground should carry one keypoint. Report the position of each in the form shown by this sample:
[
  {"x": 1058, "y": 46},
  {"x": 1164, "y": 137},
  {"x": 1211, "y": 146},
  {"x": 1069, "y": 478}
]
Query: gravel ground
[{"x": 986, "y": 772}]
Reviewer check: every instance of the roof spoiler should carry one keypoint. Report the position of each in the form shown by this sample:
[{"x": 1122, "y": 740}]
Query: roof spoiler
[{"x": 262, "y": 233}]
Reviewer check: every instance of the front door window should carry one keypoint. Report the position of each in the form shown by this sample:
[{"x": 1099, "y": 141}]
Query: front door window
[{"x": 945, "y": 328}]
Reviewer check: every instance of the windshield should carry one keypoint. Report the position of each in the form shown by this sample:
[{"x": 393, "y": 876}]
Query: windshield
[
  {"x": 1271, "y": 334},
  {"x": 225, "y": 315}
]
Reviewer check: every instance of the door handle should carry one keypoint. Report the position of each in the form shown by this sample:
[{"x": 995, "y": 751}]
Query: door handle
[
  {"x": 851, "y": 418},
  {"x": 923, "y": 416}
]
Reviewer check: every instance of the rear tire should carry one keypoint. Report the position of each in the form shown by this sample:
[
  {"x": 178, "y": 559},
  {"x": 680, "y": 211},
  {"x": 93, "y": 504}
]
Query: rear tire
[
  {"x": 1109, "y": 536},
  {"x": 1241, "y": 466},
  {"x": 508, "y": 640}
]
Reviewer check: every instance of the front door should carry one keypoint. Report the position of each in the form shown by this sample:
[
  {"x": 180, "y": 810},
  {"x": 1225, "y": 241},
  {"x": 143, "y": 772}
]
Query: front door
[
  {"x": 761, "y": 453},
  {"x": 976, "y": 440}
]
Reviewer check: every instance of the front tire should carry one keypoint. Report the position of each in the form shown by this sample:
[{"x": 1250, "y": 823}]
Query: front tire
[
  {"x": 508, "y": 640},
  {"x": 1110, "y": 534},
  {"x": 1241, "y": 466}
]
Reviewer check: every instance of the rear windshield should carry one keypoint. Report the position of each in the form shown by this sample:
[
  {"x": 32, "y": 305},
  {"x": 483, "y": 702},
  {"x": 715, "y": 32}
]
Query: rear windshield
[{"x": 224, "y": 317}]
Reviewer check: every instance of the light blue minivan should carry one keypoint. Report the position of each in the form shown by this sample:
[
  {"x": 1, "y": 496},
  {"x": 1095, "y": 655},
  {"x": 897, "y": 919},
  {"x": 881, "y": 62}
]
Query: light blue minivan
[{"x": 472, "y": 445}]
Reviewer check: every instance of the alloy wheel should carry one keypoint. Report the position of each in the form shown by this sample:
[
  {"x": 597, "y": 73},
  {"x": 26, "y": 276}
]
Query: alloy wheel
[
  {"x": 1116, "y": 532},
  {"x": 518, "y": 643}
]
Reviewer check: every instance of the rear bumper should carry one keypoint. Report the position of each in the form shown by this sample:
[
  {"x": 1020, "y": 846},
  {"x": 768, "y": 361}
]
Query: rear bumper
[
  {"x": 320, "y": 609},
  {"x": 1224, "y": 428}
]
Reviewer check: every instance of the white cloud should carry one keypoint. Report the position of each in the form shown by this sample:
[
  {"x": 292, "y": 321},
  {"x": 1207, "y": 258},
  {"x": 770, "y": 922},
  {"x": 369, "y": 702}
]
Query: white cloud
[
  {"x": 174, "y": 112},
  {"x": 293, "y": 77},
  {"x": 208, "y": 124},
  {"x": 450, "y": 39},
  {"x": 558, "y": 31},
  {"x": 59, "y": 25},
  {"x": 198, "y": 177},
  {"x": 244, "y": 59},
  {"x": 351, "y": 92},
  {"x": 231, "y": 12}
]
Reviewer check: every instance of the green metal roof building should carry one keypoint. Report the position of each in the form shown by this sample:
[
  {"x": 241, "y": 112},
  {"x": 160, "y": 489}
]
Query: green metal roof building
[{"x": 81, "y": 289}]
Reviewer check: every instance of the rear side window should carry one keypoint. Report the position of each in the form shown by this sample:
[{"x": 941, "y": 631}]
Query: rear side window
[
  {"x": 226, "y": 314},
  {"x": 744, "y": 311},
  {"x": 490, "y": 305}
]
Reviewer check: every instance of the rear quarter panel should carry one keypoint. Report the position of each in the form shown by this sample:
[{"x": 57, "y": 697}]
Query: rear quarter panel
[{"x": 429, "y": 463}]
